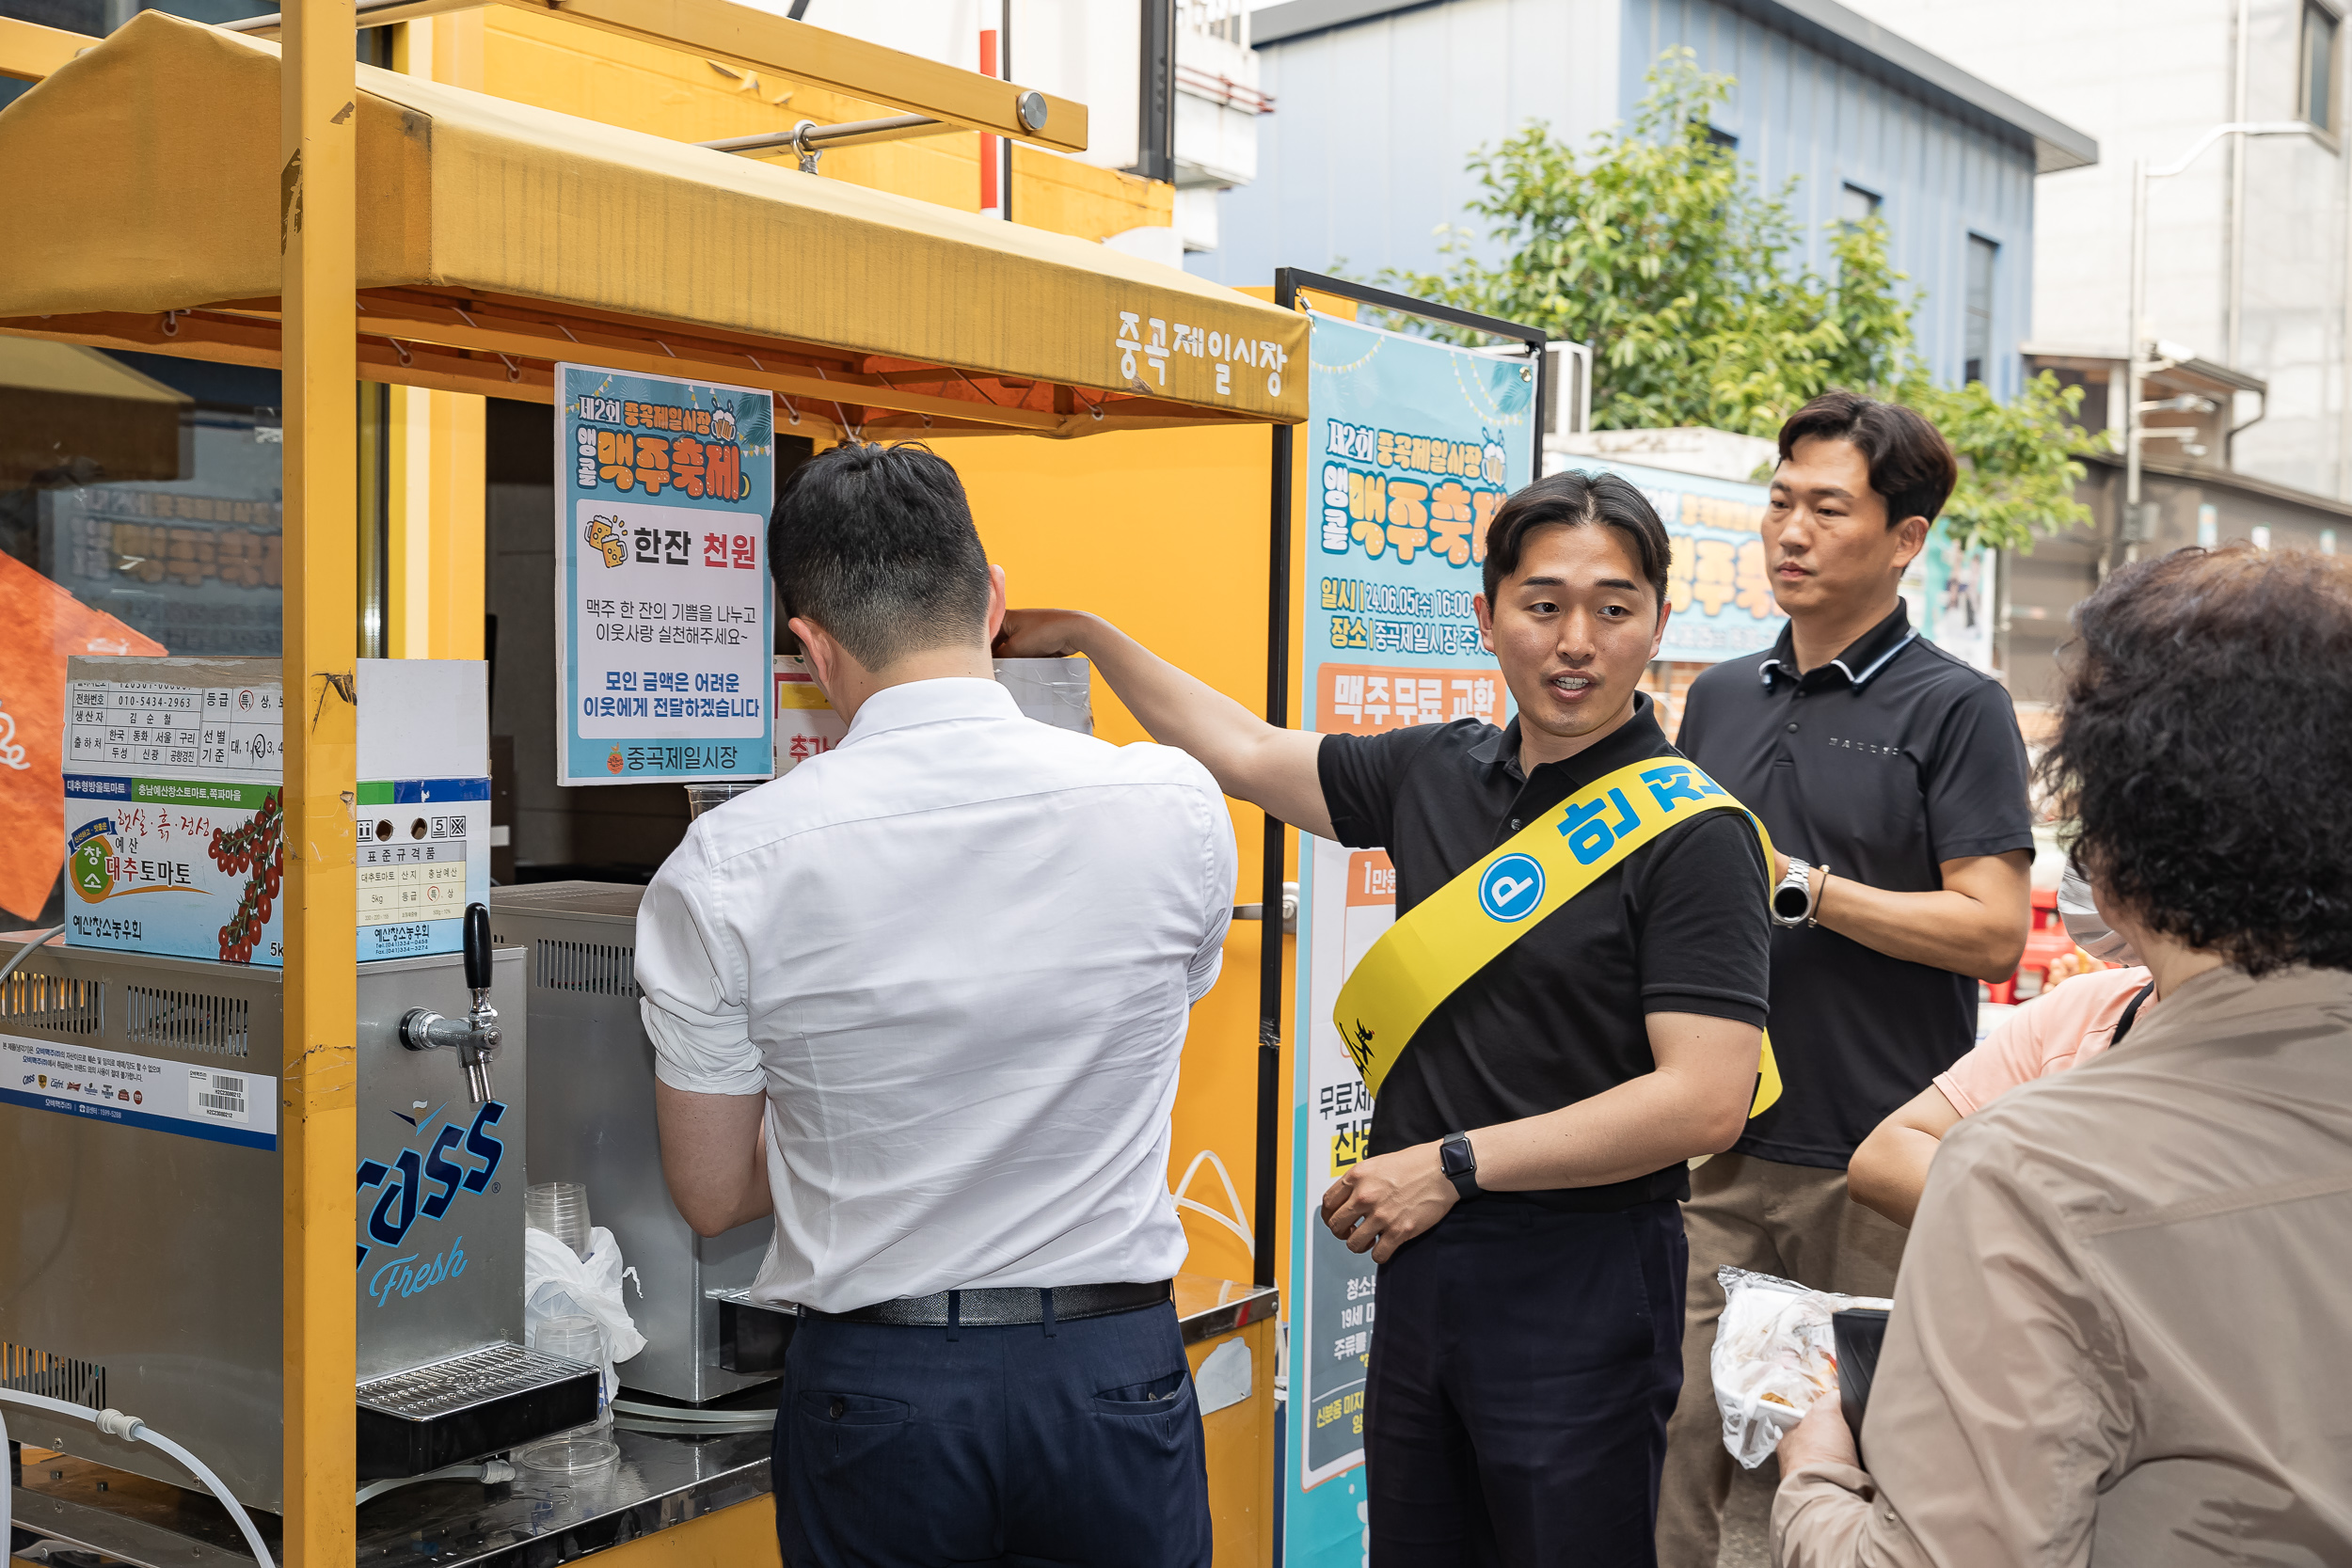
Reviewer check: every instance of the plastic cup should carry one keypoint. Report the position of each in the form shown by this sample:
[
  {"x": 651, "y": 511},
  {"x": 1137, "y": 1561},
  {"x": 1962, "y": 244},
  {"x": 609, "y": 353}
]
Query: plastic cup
[
  {"x": 561, "y": 1210},
  {"x": 576, "y": 1338},
  {"x": 701, "y": 798}
]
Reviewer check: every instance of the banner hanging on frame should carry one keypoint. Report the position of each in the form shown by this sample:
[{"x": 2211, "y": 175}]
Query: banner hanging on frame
[
  {"x": 1410, "y": 447},
  {"x": 663, "y": 641}
]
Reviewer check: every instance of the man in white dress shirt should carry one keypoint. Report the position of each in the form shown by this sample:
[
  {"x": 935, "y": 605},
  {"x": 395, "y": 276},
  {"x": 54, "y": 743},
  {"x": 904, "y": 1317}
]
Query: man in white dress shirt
[{"x": 923, "y": 998}]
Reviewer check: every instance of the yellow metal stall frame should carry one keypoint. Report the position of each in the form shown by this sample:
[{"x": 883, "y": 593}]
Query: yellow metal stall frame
[
  {"x": 319, "y": 1112},
  {"x": 496, "y": 239},
  {"x": 430, "y": 237}
]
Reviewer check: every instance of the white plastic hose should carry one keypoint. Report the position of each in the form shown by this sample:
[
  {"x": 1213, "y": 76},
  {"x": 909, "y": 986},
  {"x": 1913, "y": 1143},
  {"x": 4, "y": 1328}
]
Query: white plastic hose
[
  {"x": 1235, "y": 1222},
  {"x": 114, "y": 1423},
  {"x": 32, "y": 941},
  {"x": 487, "y": 1471},
  {"x": 687, "y": 1421}
]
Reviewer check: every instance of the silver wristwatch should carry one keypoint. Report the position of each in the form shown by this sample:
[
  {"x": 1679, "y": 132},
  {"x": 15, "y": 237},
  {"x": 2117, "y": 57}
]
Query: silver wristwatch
[{"x": 1792, "y": 901}]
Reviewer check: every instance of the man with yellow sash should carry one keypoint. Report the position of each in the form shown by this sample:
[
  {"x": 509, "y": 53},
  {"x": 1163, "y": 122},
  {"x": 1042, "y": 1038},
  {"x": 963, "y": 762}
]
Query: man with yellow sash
[{"x": 1569, "y": 1008}]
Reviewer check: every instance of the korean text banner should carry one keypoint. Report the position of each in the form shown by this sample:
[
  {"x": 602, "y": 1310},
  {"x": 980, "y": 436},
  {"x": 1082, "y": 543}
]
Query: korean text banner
[
  {"x": 1718, "y": 585},
  {"x": 1411, "y": 447},
  {"x": 663, "y": 640}
]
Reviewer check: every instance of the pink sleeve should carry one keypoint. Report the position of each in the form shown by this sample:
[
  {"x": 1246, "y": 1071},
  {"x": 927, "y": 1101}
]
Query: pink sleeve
[
  {"x": 2010, "y": 1056},
  {"x": 2048, "y": 1034}
]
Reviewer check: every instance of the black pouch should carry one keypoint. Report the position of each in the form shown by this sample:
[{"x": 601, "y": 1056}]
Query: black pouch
[{"x": 1859, "y": 1332}]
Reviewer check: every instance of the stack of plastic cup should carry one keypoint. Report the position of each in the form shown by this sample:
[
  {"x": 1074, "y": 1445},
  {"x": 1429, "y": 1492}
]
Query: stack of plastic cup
[
  {"x": 561, "y": 1210},
  {"x": 699, "y": 798},
  {"x": 583, "y": 1448}
]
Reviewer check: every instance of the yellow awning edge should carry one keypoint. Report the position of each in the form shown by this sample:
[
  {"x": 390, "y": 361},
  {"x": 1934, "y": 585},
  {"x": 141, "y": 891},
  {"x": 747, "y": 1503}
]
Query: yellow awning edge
[{"x": 145, "y": 176}]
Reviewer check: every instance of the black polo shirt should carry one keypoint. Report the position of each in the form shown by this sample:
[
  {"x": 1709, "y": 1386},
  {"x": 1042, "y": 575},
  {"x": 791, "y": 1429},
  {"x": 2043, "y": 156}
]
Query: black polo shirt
[
  {"x": 1679, "y": 926},
  {"x": 1882, "y": 764}
]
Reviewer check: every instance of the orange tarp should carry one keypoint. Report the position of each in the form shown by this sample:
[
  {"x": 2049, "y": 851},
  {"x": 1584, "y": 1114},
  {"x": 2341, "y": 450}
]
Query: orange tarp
[{"x": 41, "y": 623}]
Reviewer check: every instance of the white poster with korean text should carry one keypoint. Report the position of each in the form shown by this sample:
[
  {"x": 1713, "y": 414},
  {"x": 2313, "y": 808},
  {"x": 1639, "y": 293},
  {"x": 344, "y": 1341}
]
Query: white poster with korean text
[{"x": 663, "y": 645}]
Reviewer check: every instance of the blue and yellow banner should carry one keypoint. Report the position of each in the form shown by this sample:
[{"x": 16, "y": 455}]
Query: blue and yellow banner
[{"x": 1411, "y": 447}]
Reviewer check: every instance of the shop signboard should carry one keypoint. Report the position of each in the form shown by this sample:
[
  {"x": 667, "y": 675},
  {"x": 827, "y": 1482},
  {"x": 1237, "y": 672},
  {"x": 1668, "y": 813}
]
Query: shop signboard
[
  {"x": 663, "y": 641},
  {"x": 1411, "y": 447},
  {"x": 1951, "y": 596},
  {"x": 1717, "y": 583}
]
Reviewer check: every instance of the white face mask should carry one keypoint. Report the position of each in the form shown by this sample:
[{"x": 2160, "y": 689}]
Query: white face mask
[{"x": 2084, "y": 924}]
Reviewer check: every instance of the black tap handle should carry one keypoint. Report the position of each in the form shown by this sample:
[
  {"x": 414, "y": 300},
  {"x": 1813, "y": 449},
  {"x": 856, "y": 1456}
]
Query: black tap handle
[{"x": 478, "y": 946}]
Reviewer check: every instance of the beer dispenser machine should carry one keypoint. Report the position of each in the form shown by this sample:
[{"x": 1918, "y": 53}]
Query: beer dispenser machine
[{"x": 140, "y": 1247}]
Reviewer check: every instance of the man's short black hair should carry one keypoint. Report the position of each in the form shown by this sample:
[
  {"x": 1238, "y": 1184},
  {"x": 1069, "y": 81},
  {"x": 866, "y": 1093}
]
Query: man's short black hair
[
  {"x": 1577, "y": 498},
  {"x": 2203, "y": 746},
  {"x": 1912, "y": 465},
  {"x": 876, "y": 545}
]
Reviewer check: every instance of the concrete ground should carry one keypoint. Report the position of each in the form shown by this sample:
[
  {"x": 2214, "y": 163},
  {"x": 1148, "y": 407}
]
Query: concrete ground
[{"x": 1747, "y": 1517}]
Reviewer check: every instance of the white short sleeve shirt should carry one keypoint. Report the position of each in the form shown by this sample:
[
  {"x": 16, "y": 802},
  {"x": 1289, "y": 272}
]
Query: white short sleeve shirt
[{"x": 956, "y": 952}]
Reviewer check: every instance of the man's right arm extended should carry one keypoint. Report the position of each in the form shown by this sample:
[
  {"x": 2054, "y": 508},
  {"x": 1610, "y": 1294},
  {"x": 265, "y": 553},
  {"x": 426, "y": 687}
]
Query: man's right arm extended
[{"x": 1250, "y": 759}]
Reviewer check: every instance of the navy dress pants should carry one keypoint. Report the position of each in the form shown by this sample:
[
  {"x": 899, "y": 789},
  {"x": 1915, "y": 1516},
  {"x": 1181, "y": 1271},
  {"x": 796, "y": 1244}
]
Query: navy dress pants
[
  {"x": 1076, "y": 1446},
  {"x": 1523, "y": 1368}
]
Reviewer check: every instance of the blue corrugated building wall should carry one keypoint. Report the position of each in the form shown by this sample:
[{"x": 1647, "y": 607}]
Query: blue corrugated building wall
[{"x": 1379, "y": 105}]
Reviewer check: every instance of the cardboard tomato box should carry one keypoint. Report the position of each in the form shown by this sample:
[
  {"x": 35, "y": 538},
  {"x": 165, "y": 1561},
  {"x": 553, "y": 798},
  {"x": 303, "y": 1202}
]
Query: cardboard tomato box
[{"x": 175, "y": 806}]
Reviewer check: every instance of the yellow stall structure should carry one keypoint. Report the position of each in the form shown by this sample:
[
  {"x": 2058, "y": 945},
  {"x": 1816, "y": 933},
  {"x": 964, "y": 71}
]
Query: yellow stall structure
[{"x": 215, "y": 194}]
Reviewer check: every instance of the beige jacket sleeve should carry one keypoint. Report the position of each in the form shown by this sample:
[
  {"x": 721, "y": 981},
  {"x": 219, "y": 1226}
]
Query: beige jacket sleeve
[{"x": 1999, "y": 1406}]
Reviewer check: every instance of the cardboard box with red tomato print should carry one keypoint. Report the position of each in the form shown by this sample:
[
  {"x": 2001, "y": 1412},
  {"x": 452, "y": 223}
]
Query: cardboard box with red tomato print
[{"x": 175, "y": 806}]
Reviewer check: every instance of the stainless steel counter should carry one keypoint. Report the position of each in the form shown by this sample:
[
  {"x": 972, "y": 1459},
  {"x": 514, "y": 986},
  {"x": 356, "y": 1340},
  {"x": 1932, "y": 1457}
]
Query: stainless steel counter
[{"x": 539, "y": 1519}]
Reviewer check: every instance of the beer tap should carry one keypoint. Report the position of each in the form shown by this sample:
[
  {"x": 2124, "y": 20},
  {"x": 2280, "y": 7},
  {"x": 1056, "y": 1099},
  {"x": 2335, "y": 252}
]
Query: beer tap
[{"x": 475, "y": 1036}]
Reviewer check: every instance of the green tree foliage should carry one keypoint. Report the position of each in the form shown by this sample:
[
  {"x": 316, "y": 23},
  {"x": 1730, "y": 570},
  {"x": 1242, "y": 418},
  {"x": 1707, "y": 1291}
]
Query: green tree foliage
[{"x": 1654, "y": 247}]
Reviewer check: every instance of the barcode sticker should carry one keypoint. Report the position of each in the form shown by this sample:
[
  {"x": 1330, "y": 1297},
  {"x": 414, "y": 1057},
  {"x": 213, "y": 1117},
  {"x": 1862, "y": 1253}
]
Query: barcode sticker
[
  {"x": 105, "y": 1084},
  {"x": 217, "y": 1096}
]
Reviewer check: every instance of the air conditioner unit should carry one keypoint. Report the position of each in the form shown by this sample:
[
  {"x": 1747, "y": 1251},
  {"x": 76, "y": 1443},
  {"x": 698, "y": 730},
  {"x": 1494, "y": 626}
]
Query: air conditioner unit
[
  {"x": 1568, "y": 385},
  {"x": 1567, "y": 389}
]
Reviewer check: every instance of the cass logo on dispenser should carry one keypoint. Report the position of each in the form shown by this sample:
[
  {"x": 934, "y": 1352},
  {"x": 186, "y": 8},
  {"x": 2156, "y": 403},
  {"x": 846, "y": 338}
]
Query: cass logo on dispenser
[{"x": 422, "y": 1183}]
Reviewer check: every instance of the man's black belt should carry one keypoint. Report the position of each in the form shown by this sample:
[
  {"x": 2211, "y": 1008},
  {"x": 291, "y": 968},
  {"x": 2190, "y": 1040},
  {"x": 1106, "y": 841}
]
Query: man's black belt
[{"x": 1005, "y": 1307}]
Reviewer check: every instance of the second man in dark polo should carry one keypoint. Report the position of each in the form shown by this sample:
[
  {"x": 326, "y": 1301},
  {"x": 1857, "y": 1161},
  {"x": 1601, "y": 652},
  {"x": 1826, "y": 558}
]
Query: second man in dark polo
[
  {"x": 1893, "y": 780},
  {"x": 1530, "y": 1302}
]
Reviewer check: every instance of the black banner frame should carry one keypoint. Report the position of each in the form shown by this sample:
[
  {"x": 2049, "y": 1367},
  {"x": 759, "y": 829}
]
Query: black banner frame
[{"x": 1288, "y": 283}]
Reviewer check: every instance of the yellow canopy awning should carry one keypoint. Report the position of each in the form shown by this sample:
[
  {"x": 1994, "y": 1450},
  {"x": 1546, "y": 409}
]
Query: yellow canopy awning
[{"x": 496, "y": 239}]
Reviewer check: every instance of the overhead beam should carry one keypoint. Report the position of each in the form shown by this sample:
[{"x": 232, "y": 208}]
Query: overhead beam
[
  {"x": 413, "y": 320},
  {"x": 29, "y": 52},
  {"x": 761, "y": 41}
]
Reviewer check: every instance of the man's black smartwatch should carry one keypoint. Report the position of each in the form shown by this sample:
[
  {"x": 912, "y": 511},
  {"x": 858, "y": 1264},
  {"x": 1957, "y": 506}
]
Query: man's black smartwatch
[{"x": 1460, "y": 1164}]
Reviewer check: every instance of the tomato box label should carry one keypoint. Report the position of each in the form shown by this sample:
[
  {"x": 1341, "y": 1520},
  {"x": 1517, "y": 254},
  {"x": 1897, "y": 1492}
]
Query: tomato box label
[
  {"x": 191, "y": 868},
  {"x": 174, "y": 806}
]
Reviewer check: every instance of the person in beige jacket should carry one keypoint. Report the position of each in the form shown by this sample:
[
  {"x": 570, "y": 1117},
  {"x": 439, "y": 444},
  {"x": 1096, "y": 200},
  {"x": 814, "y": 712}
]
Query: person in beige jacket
[{"x": 2121, "y": 1330}]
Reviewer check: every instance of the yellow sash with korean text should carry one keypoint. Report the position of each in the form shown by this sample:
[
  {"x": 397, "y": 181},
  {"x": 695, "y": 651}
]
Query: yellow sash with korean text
[{"x": 1462, "y": 927}]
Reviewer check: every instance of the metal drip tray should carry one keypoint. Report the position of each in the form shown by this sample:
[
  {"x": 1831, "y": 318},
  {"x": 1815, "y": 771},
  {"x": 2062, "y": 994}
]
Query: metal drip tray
[{"x": 481, "y": 1403}]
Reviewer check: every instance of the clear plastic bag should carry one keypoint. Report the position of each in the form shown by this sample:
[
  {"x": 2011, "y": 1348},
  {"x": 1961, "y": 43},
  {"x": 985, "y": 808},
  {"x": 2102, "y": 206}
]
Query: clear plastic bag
[
  {"x": 558, "y": 1284},
  {"x": 1774, "y": 1354}
]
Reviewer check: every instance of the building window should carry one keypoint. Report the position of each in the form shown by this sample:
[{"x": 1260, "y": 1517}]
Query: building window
[
  {"x": 2320, "y": 27},
  {"x": 1856, "y": 205},
  {"x": 1977, "y": 352},
  {"x": 1717, "y": 137}
]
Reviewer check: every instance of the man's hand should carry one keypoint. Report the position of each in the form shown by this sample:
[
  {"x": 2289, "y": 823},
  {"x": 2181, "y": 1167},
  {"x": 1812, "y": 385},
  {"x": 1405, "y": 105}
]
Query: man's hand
[
  {"x": 1250, "y": 759},
  {"x": 1040, "y": 634},
  {"x": 1385, "y": 1202},
  {"x": 1820, "y": 1438}
]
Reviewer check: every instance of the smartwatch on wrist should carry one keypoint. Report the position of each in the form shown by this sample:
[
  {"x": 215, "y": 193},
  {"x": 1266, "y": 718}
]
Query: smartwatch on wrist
[
  {"x": 1792, "y": 901},
  {"x": 1460, "y": 1163}
]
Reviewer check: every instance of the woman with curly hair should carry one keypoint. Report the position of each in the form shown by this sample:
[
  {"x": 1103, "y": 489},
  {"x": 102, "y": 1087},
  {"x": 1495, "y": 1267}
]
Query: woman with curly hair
[{"x": 2119, "y": 1333}]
